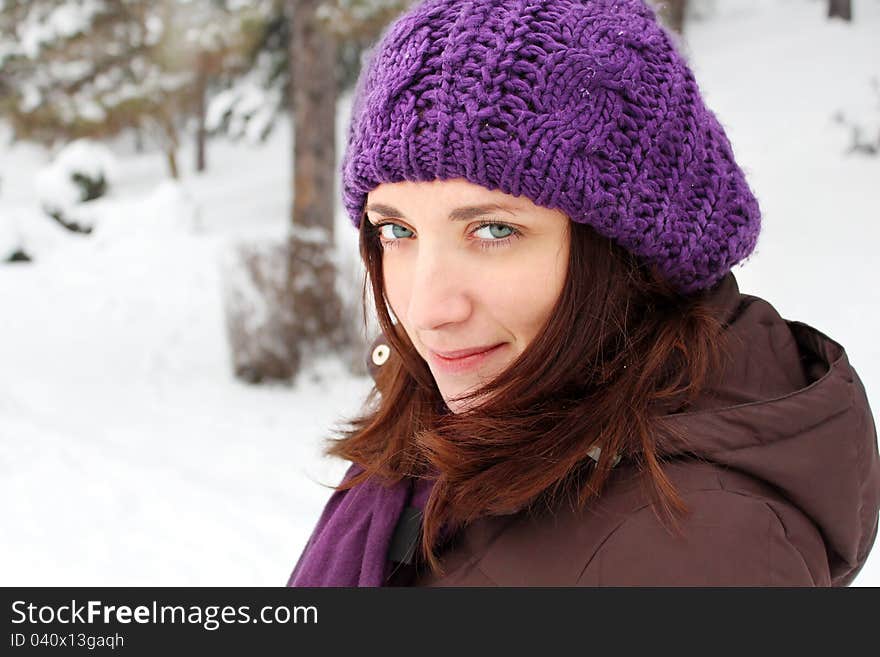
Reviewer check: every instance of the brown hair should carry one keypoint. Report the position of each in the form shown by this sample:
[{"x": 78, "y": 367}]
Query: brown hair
[{"x": 620, "y": 348}]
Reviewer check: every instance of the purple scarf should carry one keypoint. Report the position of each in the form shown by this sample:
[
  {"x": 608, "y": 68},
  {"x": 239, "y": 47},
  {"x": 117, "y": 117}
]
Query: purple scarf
[{"x": 349, "y": 545}]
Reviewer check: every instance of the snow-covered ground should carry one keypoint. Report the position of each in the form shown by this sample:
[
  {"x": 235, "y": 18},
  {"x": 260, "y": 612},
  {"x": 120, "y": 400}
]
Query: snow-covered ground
[{"x": 129, "y": 454}]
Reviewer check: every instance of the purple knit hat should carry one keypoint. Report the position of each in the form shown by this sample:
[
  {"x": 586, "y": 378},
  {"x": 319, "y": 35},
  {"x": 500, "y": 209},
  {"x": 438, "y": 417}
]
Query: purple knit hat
[{"x": 586, "y": 107}]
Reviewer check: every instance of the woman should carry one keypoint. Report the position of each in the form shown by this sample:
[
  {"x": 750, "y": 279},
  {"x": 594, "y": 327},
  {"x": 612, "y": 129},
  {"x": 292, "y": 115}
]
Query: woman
[{"x": 540, "y": 182}]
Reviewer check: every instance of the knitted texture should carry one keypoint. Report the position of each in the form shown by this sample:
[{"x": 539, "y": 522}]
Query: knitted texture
[{"x": 586, "y": 107}]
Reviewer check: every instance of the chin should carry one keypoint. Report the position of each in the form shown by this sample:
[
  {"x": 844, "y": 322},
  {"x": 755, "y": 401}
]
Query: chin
[
  {"x": 460, "y": 407},
  {"x": 455, "y": 409}
]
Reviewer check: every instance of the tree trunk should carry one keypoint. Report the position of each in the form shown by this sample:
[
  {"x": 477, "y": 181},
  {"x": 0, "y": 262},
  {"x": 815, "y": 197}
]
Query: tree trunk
[
  {"x": 167, "y": 133},
  {"x": 672, "y": 13},
  {"x": 200, "y": 91},
  {"x": 171, "y": 159},
  {"x": 840, "y": 9},
  {"x": 138, "y": 140},
  {"x": 317, "y": 325}
]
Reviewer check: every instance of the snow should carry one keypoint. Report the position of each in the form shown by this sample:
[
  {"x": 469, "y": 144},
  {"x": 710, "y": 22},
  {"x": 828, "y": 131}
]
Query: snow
[
  {"x": 65, "y": 20},
  {"x": 248, "y": 106},
  {"x": 131, "y": 455},
  {"x": 155, "y": 28},
  {"x": 220, "y": 105},
  {"x": 254, "y": 307},
  {"x": 54, "y": 184},
  {"x": 31, "y": 98}
]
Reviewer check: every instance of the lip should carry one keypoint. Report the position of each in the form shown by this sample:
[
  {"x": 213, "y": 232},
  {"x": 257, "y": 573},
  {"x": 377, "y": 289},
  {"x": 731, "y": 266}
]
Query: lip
[
  {"x": 461, "y": 353},
  {"x": 455, "y": 362}
]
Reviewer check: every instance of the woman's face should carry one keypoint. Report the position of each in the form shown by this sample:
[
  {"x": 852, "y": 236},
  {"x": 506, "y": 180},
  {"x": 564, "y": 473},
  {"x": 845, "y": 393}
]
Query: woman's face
[{"x": 467, "y": 268}]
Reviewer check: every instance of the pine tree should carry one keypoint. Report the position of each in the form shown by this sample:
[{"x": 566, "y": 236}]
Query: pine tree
[
  {"x": 83, "y": 68},
  {"x": 252, "y": 101},
  {"x": 248, "y": 99},
  {"x": 304, "y": 53},
  {"x": 317, "y": 27}
]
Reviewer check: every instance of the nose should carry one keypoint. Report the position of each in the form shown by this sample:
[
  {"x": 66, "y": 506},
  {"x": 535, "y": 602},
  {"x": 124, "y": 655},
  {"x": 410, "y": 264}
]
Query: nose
[{"x": 441, "y": 290}]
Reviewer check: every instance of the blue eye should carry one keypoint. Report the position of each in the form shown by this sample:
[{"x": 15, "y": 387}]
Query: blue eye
[
  {"x": 492, "y": 233},
  {"x": 394, "y": 234},
  {"x": 389, "y": 239}
]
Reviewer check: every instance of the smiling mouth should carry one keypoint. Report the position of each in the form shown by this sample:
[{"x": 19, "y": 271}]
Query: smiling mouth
[
  {"x": 463, "y": 353},
  {"x": 464, "y": 363}
]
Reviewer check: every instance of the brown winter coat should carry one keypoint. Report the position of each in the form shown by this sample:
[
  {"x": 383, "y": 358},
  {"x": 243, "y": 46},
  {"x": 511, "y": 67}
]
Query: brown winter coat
[{"x": 785, "y": 493}]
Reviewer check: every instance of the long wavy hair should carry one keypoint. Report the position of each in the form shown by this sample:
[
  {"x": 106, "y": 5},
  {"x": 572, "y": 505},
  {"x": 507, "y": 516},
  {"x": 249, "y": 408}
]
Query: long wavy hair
[{"x": 620, "y": 350}]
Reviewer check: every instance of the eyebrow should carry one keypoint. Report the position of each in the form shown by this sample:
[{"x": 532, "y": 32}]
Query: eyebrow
[{"x": 459, "y": 214}]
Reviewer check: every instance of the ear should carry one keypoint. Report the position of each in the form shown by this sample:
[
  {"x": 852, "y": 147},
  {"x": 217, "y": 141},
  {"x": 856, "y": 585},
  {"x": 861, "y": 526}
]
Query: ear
[{"x": 378, "y": 355}]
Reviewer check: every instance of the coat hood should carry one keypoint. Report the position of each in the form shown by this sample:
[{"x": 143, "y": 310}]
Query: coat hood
[{"x": 791, "y": 411}]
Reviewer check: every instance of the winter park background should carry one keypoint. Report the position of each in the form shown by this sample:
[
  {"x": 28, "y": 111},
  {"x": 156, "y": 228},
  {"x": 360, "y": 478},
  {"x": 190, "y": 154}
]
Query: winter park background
[{"x": 130, "y": 454}]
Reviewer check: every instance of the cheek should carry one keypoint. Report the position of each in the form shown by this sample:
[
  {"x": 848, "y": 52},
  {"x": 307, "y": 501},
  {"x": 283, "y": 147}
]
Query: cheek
[
  {"x": 532, "y": 301},
  {"x": 529, "y": 295}
]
